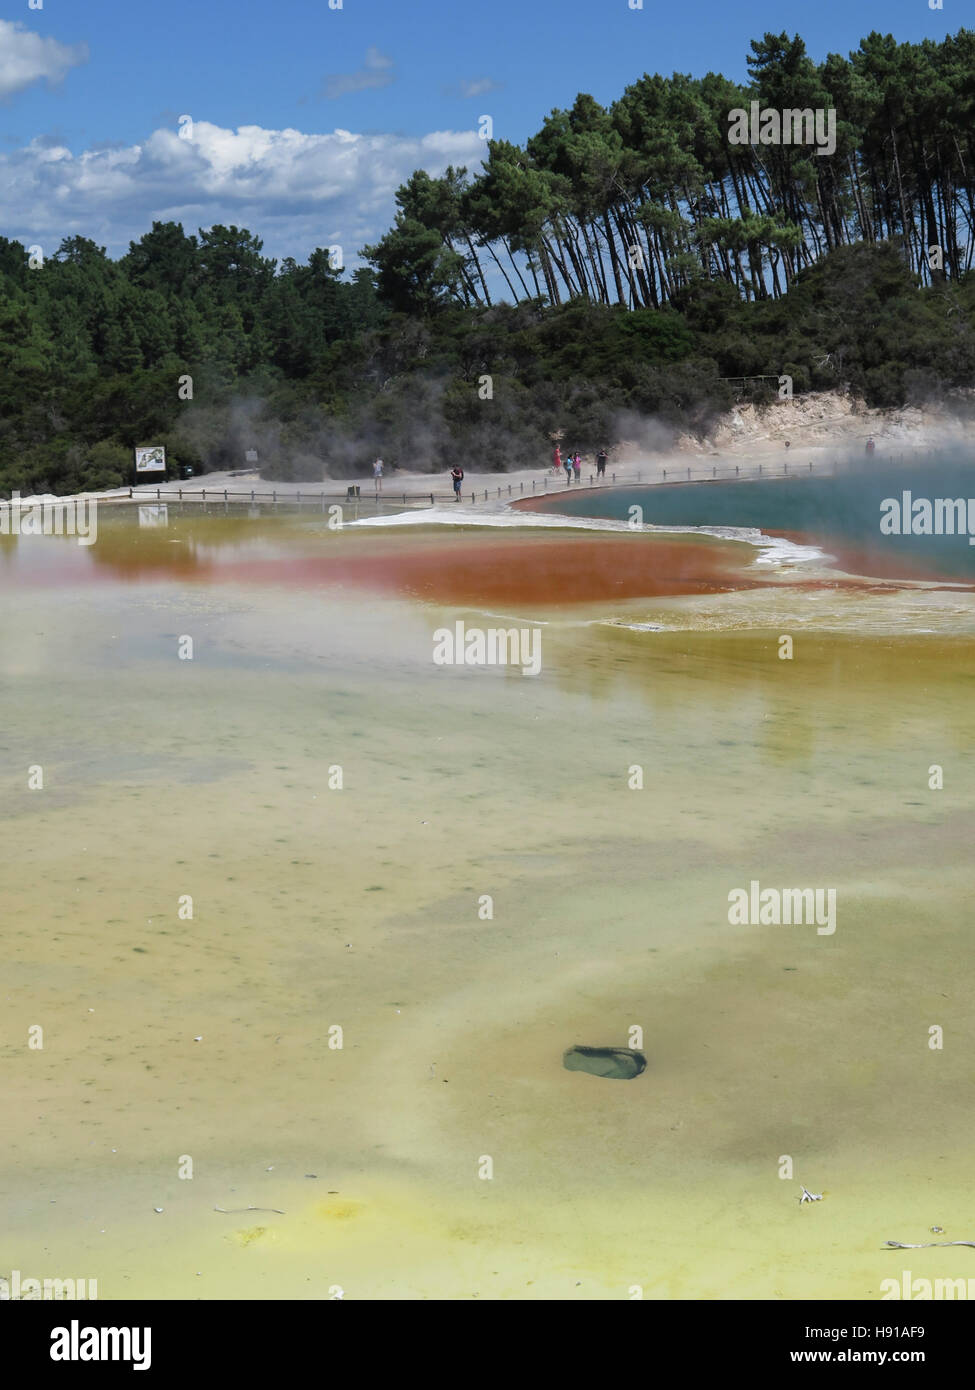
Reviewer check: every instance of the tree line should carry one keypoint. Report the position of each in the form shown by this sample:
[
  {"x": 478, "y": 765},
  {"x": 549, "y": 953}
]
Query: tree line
[
  {"x": 753, "y": 260},
  {"x": 630, "y": 203}
]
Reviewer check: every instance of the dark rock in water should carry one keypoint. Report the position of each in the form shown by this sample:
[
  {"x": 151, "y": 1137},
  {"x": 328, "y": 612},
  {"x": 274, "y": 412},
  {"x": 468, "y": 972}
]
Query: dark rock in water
[{"x": 616, "y": 1063}]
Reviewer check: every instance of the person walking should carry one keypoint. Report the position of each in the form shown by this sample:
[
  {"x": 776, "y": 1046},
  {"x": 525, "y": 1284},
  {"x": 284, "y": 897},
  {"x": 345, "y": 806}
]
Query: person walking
[
  {"x": 568, "y": 468},
  {"x": 557, "y": 459},
  {"x": 377, "y": 475},
  {"x": 601, "y": 463},
  {"x": 457, "y": 474},
  {"x": 577, "y": 466}
]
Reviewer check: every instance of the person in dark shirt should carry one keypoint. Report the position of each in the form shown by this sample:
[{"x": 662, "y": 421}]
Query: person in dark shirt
[
  {"x": 601, "y": 464},
  {"x": 457, "y": 473}
]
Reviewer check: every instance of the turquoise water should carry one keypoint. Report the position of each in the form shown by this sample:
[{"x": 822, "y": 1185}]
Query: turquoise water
[{"x": 845, "y": 508}]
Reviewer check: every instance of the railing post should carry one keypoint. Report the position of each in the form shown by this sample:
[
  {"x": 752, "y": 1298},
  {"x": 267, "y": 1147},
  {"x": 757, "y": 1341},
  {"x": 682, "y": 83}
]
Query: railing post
[
  {"x": 431, "y": 499},
  {"x": 688, "y": 475},
  {"x": 736, "y": 470},
  {"x": 157, "y": 494},
  {"x": 614, "y": 477},
  {"x": 274, "y": 495},
  {"x": 181, "y": 494},
  {"x": 252, "y": 494},
  {"x": 759, "y": 468},
  {"x": 714, "y": 471},
  {"x": 225, "y": 494},
  {"x": 665, "y": 475},
  {"x": 204, "y": 494}
]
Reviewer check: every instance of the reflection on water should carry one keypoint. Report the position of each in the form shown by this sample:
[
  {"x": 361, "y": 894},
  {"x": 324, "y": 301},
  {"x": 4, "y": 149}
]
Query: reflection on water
[
  {"x": 842, "y": 512},
  {"x": 514, "y": 568},
  {"x": 189, "y": 546},
  {"x": 469, "y": 567},
  {"x": 362, "y": 907}
]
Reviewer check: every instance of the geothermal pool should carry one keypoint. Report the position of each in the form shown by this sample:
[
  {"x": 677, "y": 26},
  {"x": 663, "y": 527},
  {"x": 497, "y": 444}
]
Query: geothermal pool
[
  {"x": 905, "y": 518},
  {"x": 191, "y": 1063}
]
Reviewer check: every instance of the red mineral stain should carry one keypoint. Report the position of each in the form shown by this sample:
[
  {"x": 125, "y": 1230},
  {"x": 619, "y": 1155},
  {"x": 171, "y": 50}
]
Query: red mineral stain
[
  {"x": 484, "y": 568},
  {"x": 470, "y": 566}
]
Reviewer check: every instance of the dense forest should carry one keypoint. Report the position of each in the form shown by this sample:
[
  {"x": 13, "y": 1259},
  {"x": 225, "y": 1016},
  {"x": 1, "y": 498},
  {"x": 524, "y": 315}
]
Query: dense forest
[
  {"x": 627, "y": 262},
  {"x": 633, "y": 203}
]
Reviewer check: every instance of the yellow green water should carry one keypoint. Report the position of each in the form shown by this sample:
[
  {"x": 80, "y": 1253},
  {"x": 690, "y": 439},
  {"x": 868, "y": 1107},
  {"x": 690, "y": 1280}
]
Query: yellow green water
[{"x": 358, "y": 907}]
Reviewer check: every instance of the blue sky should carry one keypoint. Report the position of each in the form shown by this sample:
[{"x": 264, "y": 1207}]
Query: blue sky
[{"x": 90, "y": 97}]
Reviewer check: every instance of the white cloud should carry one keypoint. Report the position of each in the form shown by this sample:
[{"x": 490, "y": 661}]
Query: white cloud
[
  {"x": 479, "y": 86},
  {"x": 295, "y": 190},
  {"x": 376, "y": 71},
  {"x": 26, "y": 58}
]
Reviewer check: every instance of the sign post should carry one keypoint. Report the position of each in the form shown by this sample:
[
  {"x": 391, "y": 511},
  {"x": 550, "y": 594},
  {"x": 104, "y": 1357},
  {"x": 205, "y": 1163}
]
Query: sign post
[{"x": 150, "y": 458}]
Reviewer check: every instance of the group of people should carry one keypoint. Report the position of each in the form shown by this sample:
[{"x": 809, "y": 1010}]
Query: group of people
[{"x": 572, "y": 463}]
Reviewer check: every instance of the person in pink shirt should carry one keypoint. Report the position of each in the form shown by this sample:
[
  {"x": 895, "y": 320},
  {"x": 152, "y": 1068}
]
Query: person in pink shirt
[{"x": 577, "y": 465}]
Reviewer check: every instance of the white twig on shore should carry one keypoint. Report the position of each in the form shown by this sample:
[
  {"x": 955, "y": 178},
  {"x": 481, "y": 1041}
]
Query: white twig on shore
[
  {"x": 927, "y": 1244},
  {"x": 235, "y": 1211}
]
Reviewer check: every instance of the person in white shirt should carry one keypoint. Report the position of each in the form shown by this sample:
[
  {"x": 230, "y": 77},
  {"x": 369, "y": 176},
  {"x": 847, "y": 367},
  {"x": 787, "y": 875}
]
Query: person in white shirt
[{"x": 377, "y": 473}]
